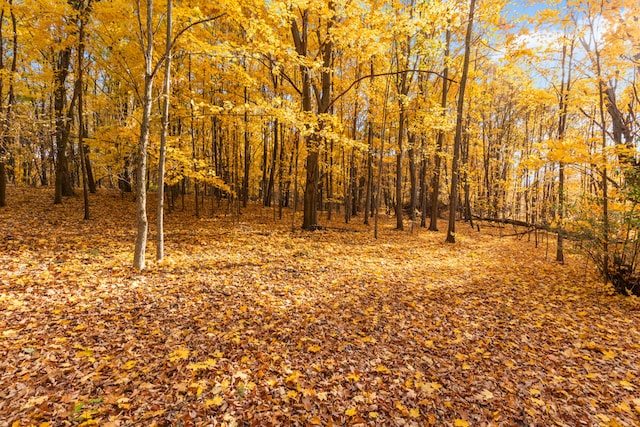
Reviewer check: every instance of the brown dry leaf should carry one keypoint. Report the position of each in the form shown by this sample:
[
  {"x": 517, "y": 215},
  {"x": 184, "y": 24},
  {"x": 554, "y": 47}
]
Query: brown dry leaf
[{"x": 252, "y": 322}]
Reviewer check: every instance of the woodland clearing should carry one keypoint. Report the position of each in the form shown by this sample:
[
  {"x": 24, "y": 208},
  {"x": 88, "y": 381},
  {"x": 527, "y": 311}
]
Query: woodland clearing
[{"x": 249, "y": 323}]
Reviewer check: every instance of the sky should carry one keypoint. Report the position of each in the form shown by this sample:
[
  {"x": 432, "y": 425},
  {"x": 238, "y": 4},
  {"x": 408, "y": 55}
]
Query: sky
[{"x": 524, "y": 7}]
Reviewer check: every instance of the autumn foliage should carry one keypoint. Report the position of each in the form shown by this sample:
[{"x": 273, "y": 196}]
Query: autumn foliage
[
  {"x": 249, "y": 323},
  {"x": 230, "y": 130}
]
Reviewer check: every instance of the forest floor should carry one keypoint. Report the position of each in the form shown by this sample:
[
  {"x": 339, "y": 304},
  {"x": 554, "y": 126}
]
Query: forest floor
[{"x": 250, "y": 323}]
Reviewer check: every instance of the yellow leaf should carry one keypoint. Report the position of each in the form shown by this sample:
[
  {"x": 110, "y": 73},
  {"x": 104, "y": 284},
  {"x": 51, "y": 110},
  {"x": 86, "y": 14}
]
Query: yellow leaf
[
  {"x": 314, "y": 348},
  {"x": 292, "y": 394},
  {"x": 84, "y": 353},
  {"x": 534, "y": 392},
  {"x": 316, "y": 421},
  {"x": 414, "y": 413},
  {"x": 293, "y": 378},
  {"x": 322, "y": 395},
  {"x": 626, "y": 385},
  {"x": 152, "y": 414},
  {"x": 216, "y": 401},
  {"x": 179, "y": 354},
  {"x": 201, "y": 365},
  {"x": 624, "y": 407},
  {"x": 608, "y": 354},
  {"x": 130, "y": 364},
  {"x": 383, "y": 369},
  {"x": 198, "y": 388},
  {"x": 460, "y": 423},
  {"x": 373, "y": 415},
  {"x": 353, "y": 376},
  {"x": 350, "y": 412},
  {"x": 537, "y": 401}
]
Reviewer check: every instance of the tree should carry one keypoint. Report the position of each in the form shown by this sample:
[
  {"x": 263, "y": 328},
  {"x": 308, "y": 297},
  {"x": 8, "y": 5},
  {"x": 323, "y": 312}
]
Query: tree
[
  {"x": 457, "y": 143},
  {"x": 82, "y": 7},
  {"x": 7, "y": 115},
  {"x": 145, "y": 34},
  {"x": 163, "y": 135},
  {"x": 563, "y": 98},
  {"x": 61, "y": 59},
  {"x": 313, "y": 141},
  {"x": 435, "y": 185}
]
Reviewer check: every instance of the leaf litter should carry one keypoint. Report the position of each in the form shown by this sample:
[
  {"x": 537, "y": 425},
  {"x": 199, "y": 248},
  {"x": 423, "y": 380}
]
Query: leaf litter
[{"x": 249, "y": 323}]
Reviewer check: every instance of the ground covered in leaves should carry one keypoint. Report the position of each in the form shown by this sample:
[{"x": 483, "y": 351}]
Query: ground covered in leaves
[{"x": 249, "y": 323}]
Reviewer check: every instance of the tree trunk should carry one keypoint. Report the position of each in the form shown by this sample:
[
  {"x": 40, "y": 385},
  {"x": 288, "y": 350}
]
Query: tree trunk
[
  {"x": 369, "y": 185},
  {"x": 424, "y": 193},
  {"x": 310, "y": 206},
  {"x": 163, "y": 136},
  {"x": 435, "y": 184},
  {"x": 63, "y": 180},
  {"x": 247, "y": 154},
  {"x": 141, "y": 188},
  {"x": 268, "y": 194},
  {"x": 457, "y": 144},
  {"x": 90, "y": 178},
  {"x": 399, "y": 157},
  {"x": 3, "y": 183},
  {"x": 80, "y": 87},
  {"x": 565, "y": 87},
  {"x": 6, "y": 125},
  {"x": 310, "y": 217},
  {"x": 412, "y": 179}
]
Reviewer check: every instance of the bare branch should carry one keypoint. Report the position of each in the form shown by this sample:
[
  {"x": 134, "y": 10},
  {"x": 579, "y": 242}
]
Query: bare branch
[{"x": 390, "y": 73}]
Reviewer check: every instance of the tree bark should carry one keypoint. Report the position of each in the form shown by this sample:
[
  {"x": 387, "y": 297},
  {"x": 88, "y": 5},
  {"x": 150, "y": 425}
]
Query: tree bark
[
  {"x": 399, "y": 158},
  {"x": 63, "y": 180},
  {"x": 80, "y": 88},
  {"x": 435, "y": 183},
  {"x": 268, "y": 194},
  {"x": 457, "y": 144},
  {"x": 247, "y": 154},
  {"x": 143, "y": 143},
  {"x": 163, "y": 136},
  {"x": 6, "y": 124},
  {"x": 369, "y": 184},
  {"x": 565, "y": 87},
  {"x": 412, "y": 179}
]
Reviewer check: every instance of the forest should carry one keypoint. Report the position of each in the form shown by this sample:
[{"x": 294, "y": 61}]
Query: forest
[{"x": 372, "y": 212}]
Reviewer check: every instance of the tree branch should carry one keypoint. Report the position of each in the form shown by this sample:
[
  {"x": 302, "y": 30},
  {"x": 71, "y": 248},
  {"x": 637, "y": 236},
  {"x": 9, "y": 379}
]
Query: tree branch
[
  {"x": 390, "y": 73},
  {"x": 180, "y": 33}
]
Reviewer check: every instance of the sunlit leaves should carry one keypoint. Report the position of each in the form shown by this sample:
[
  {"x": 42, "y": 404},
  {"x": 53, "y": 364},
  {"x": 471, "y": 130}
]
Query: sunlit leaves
[
  {"x": 232, "y": 323},
  {"x": 178, "y": 354}
]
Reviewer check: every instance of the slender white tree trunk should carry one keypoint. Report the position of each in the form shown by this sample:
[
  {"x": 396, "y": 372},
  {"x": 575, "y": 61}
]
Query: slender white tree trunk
[
  {"x": 141, "y": 188},
  {"x": 163, "y": 137}
]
